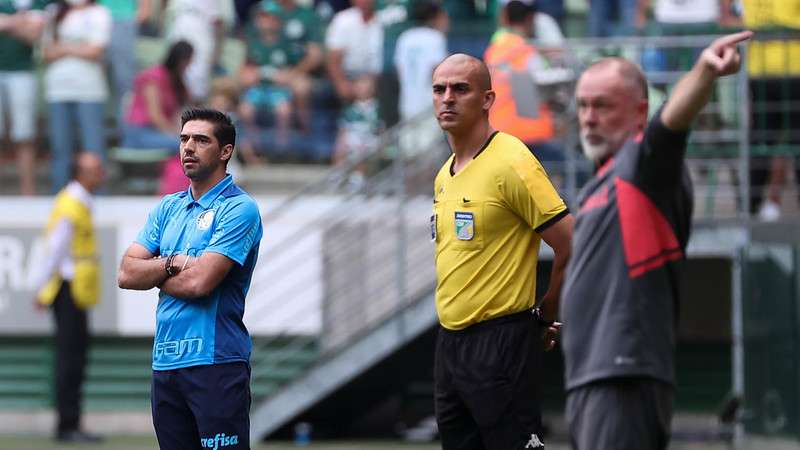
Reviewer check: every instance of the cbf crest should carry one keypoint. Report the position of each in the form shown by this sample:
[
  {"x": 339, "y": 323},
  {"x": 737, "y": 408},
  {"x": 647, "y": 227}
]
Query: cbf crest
[
  {"x": 465, "y": 226},
  {"x": 205, "y": 219}
]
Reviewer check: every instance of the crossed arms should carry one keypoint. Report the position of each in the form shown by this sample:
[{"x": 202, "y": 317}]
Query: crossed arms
[{"x": 196, "y": 277}]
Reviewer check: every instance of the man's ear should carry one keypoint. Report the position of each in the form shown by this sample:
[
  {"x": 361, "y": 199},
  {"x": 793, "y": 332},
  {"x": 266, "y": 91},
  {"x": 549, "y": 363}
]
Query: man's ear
[
  {"x": 226, "y": 153},
  {"x": 488, "y": 100},
  {"x": 642, "y": 108}
]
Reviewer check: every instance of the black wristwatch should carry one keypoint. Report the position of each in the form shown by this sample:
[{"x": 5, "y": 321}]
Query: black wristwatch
[{"x": 539, "y": 316}]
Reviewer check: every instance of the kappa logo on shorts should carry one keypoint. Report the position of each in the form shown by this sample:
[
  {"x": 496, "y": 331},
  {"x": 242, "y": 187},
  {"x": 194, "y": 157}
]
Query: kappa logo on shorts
[
  {"x": 465, "y": 226},
  {"x": 534, "y": 442},
  {"x": 220, "y": 440}
]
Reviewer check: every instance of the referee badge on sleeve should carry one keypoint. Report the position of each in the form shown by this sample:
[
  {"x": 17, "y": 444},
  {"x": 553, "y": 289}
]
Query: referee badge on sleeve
[
  {"x": 433, "y": 227},
  {"x": 465, "y": 226}
]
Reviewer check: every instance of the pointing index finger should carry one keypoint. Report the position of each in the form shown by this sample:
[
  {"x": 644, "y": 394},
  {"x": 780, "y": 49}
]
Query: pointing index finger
[{"x": 733, "y": 39}]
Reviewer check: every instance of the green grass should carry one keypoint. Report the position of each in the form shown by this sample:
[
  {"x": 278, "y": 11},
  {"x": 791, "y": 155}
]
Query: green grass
[{"x": 149, "y": 443}]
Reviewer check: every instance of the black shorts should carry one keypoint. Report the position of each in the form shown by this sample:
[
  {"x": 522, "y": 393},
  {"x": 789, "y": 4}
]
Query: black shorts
[
  {"x": 487, "y": 385},
  {"x": 620, "y": 414},
  {"x": 202, "y": 407}
]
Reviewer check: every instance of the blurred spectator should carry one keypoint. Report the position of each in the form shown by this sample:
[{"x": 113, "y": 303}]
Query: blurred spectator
[
  {"x": 774, "y": 68},
  {"x": 552, "y": 8},
  {"x": 359, "y": 126},
  {"x": 243, "y": 10},
  {"x": 153, "y": 118},
  {"x": 225, "y": 98},
  {"x": 269, "y": 78},
  {"x": 68, "y": 282},
  {"x": 75, "y": 84},
  {"x": 354, "y": 41},
  {"x": 419, "y": 51},
  {"x": 520, "y": 76},
  {"x": 302, "y": 27},
  {"x": 303, "y": 30},
  {"x": 126, "y": 17},
  {"x": 328, "y": 8},
  {"x": 200, "y": 23},
  {"x": 668, "y": 13},
  {"x": 614, "y": 17},
  {"x": 21, "y": 24},
  {"x": 461, "y": 10},
  {"x": 395, "y": 18},
  {"x": 545, "y": 29}
]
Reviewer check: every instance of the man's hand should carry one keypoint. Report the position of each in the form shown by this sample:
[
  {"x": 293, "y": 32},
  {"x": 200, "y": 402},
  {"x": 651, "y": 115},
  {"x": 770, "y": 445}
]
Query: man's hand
[
  {"x": 551, "y": 336},
  {"x": 721, "y": 57},
  {"x": 694, "y": 89}
]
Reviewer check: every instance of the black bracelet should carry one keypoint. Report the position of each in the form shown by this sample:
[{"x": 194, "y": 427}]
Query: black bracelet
[
  {"x": 168, "y": 265},
  {"x": 539, "y": 316}
]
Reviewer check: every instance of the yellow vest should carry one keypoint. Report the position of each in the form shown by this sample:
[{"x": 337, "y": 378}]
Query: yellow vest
[
  {"x": 773, "y": 57},
  {"x": 85, "y": 285}
]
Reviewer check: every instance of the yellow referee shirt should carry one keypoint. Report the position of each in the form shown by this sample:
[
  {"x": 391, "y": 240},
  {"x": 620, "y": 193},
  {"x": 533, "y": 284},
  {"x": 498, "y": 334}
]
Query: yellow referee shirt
[{"x": 485, "y": 222}]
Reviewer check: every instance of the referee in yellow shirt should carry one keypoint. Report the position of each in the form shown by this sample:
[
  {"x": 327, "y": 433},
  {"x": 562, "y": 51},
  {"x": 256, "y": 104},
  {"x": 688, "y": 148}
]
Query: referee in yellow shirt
[{"x": 493, "y": 204}]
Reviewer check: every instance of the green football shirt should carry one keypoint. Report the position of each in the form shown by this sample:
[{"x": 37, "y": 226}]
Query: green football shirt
[{"x": 16, "y": 54}]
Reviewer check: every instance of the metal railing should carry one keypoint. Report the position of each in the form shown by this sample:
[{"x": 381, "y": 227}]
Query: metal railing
[{"x": 371, "y": 216}]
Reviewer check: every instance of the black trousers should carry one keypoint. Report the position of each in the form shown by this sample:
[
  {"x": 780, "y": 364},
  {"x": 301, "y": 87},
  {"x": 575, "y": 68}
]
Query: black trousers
[
  {"x": 487, "y": 385},
  {"x": 72, "y": 345}
]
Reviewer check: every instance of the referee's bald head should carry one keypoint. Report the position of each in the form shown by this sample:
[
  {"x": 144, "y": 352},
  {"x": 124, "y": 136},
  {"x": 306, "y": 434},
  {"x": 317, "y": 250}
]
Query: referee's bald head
[{"x": 476, "y": 69}]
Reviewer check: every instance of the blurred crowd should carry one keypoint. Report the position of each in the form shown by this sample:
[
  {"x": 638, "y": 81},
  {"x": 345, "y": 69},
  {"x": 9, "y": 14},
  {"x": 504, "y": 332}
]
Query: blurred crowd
[{"x": 321, "y": 79}]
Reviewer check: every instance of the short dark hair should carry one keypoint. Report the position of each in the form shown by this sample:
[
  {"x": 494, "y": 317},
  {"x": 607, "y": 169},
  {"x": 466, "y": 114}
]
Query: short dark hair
[
  {"x": 517, "y": 11},
  {"x": 425, "y": 11},
  {"x": 224, "y": 130}
]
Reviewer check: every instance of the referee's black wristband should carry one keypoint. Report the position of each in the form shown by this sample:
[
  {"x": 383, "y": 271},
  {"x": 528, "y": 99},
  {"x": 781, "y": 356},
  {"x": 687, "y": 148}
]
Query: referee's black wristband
[{"x": 539, "y": 316}]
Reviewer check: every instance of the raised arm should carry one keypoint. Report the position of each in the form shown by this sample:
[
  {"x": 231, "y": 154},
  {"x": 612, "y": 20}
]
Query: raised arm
[
  {"x": 140, "y": 270},
  {"x": 694, "y": 90}
]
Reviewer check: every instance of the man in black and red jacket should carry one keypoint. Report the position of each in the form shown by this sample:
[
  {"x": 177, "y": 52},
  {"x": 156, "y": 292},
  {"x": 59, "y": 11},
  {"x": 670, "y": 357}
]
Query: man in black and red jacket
[{"x": 619, "y": 304}]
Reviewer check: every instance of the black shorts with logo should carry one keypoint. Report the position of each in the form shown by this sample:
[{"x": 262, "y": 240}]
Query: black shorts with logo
[{"x": 487, "y": 385}]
